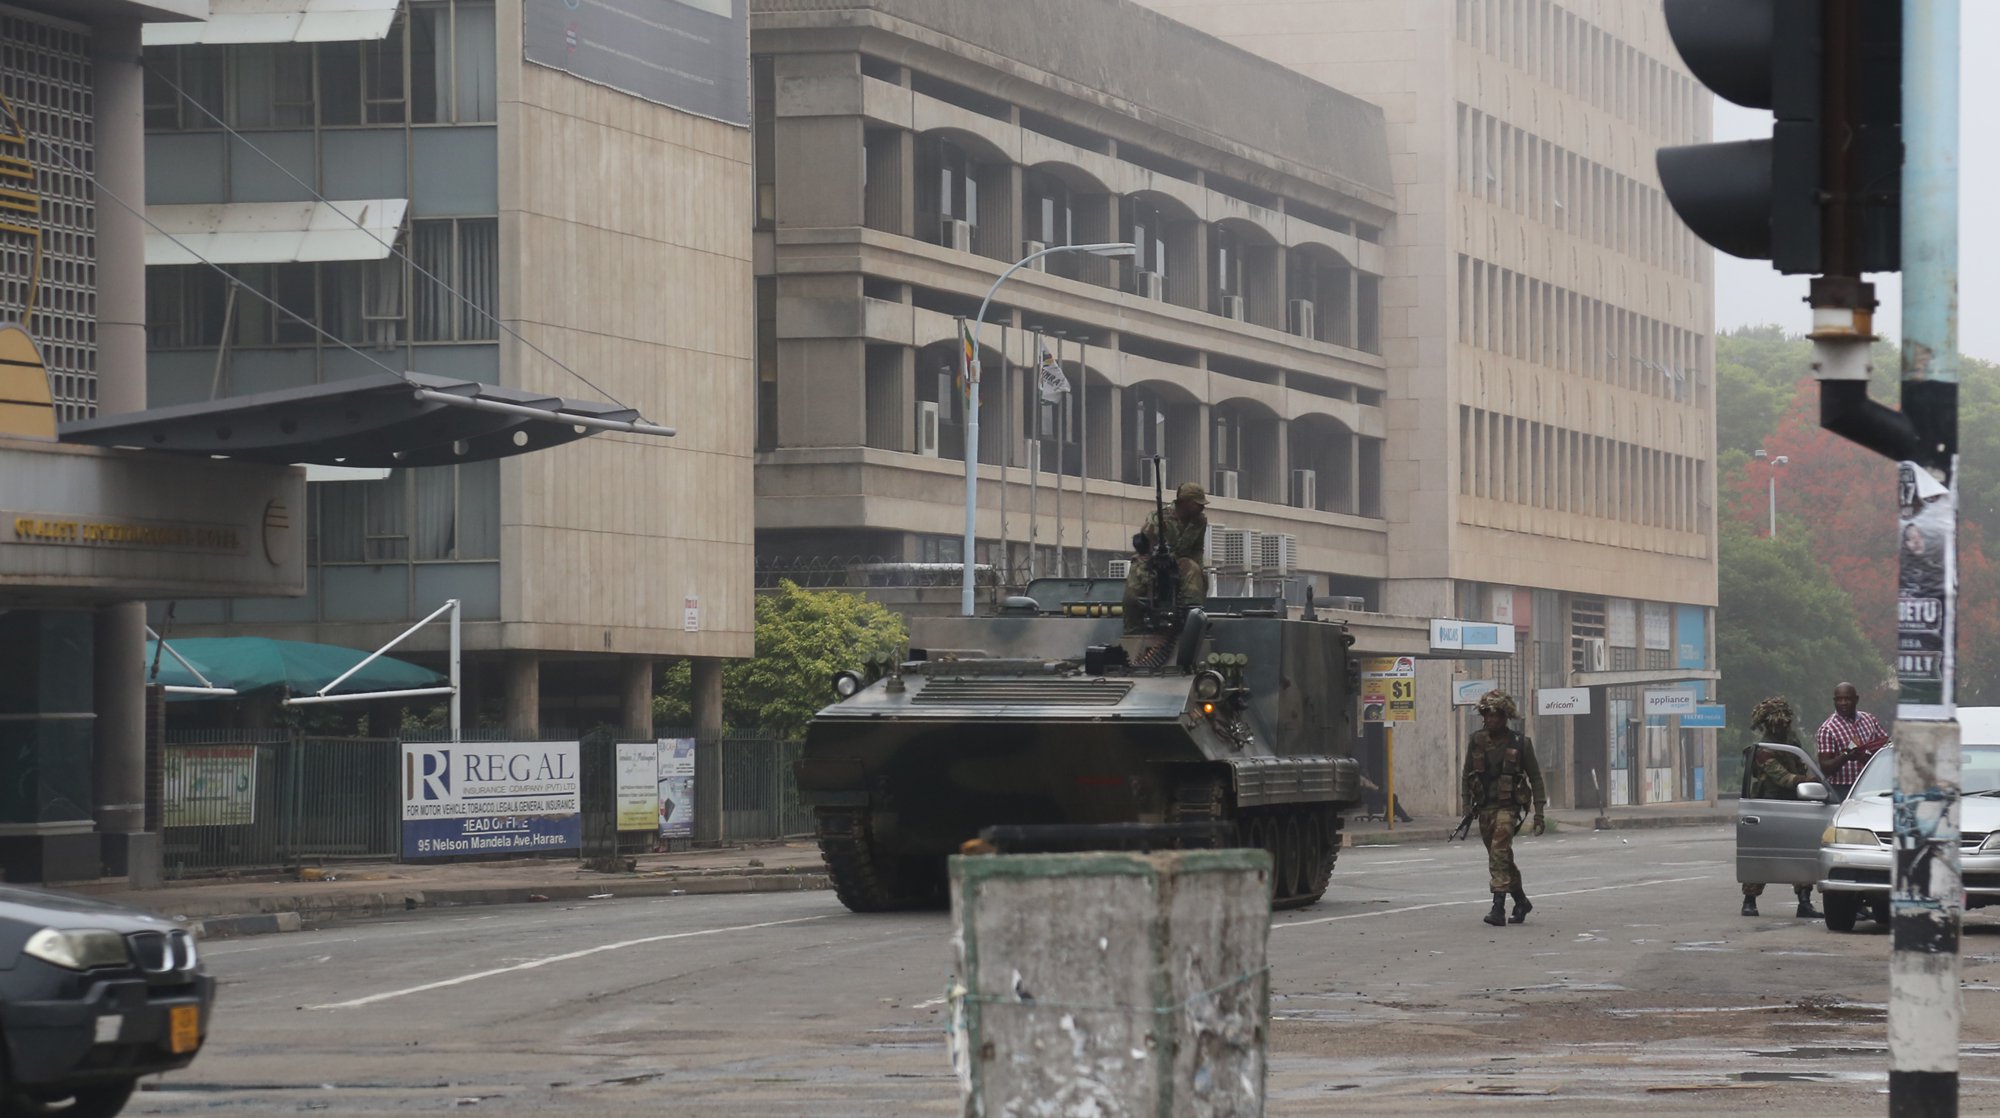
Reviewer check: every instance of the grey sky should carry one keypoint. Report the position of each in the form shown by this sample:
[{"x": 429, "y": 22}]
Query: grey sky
[{"x": 1749, "y": 293}]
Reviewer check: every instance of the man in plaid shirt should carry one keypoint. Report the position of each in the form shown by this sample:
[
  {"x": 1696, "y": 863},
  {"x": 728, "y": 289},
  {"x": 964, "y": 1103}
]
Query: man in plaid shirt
[{"x": 1847, "y": 740}]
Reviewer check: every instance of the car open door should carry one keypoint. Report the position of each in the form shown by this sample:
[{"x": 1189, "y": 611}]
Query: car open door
[{"x": 1777, "y": 841}]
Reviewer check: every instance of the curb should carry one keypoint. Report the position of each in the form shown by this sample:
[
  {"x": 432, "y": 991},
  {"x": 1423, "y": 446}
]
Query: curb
[
  {"x": 299, "y": 912},
  {"x": 1350, "y": 840}
]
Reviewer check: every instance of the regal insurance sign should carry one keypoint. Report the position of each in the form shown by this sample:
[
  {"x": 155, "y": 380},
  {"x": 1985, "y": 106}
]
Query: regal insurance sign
[{"x": 490, "y": 798}]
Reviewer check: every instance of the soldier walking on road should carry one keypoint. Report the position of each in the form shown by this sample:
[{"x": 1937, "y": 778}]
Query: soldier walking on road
[
  {"x": 1502, "y": 778},
  {"x": 1772, "y": 775}
]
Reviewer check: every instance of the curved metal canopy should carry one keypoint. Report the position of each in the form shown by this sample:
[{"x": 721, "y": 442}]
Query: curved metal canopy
[{"x": 384, "y": 419}]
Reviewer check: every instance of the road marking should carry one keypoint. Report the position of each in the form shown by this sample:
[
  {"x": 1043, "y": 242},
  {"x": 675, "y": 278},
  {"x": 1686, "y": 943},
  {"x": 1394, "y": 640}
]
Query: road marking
[
  {"x": 563, "y": 958},
  {"x": 1400, "y": 861},
  {"x": 1453, "y": 904}
]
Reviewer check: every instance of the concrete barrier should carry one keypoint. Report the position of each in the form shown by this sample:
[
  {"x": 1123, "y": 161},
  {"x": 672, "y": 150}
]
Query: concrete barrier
[{"x": 1111, "y": 983}]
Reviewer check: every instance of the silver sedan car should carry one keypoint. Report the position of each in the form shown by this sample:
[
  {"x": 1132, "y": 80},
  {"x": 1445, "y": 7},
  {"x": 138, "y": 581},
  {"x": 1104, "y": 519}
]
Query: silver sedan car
[
  {"x": 1846, "y": 848},
  {"x": 1857, "y": 856}
]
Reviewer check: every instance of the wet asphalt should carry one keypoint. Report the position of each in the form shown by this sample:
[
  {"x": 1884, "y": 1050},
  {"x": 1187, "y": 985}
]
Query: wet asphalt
[{"x": 1635, "y": 984}]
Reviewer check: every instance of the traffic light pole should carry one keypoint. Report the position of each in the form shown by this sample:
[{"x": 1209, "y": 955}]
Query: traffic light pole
[{"x": 1926, "y": 905}]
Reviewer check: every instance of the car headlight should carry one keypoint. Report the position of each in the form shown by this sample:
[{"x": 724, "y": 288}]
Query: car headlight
[
  {"x": 1851, "y": 836},
  {"x": 1991, "y": 844},
  {"x": 78, "y": 949}
]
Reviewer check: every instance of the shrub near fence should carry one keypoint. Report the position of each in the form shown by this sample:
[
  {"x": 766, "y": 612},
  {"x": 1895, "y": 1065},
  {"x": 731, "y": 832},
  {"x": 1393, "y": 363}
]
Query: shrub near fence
[{"x": 233, "y": 799}]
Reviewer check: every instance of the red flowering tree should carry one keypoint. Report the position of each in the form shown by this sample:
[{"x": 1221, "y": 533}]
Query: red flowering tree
[{"x": 1843, "y": 498}]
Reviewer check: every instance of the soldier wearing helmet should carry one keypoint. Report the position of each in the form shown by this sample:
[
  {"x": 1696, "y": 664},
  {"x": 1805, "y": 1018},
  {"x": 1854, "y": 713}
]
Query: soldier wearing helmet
[
  {"x": 1774, "y": 774},
  {"x": 1186, "y": 535},
  {"x": 1501, "y": 780}
]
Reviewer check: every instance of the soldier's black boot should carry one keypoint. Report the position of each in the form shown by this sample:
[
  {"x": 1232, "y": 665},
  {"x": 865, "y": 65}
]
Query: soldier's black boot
[
  {"x": 1498, "y": 917},
  {"x": 1749, "y": 906},
  {"x": 1522, "y": 906},
  {"x": 1806, "y": 910}
]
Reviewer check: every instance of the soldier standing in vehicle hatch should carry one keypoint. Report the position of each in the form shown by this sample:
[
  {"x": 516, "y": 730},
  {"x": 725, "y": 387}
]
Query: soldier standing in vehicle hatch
[
  {"x": 1186, "y": 536},
  {"x": 1502, "y": 778},
  {"x": 1772, "y": 775}
]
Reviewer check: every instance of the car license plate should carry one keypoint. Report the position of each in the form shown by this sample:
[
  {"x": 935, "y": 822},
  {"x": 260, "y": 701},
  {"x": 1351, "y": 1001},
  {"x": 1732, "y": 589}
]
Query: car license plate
[
  {"x": 184, "y": 1028},
  {"x": 107, "y": 1028}
]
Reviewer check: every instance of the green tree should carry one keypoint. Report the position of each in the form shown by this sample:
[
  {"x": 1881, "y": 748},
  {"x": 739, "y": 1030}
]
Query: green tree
[
  {"x": 1784, "y": 628},
  {"x": 803, "y": 638}
]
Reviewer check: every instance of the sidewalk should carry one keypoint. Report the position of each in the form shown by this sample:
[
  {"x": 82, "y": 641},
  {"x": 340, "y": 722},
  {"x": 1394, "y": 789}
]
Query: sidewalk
[
  {"x": 1433, "y": 829},
  {"x": 253, "y": 903},
  {"x": 250, "y": 904}
]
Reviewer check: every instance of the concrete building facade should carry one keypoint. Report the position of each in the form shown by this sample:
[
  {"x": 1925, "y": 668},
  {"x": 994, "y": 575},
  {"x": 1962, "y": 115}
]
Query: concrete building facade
[
  {"x": 908, "y": 152},
  {"x": 565, "y": 222},
  {"x": 1547, "y": 330}
]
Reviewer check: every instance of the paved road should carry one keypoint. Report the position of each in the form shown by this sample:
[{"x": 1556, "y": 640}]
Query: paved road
[{"x": 1635, "y": 984}]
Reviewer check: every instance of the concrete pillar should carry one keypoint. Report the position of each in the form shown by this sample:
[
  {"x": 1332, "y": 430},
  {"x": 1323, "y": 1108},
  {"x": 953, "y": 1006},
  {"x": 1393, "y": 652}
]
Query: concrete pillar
[
  {"x": 119, "y": 683},
  {"x": 1173, "y": 942},
  {"x": 638, "y": 697},
  {"x": 706, "y": 698},
  {"x": 119, "y": 121},
  {"x": 119, "y": 631},
  {"x": 524, "y": 695}
]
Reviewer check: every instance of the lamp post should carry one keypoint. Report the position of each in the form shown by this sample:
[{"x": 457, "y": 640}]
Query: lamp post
[
  {"x": 1771, "y": 503},
  {"x": 1117, "y": 248}
]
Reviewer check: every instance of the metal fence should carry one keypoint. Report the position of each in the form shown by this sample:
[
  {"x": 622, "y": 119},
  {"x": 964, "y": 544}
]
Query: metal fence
[{"x": 234, "y": 799}]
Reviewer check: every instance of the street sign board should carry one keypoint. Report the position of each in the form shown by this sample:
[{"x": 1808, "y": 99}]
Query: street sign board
[
  {"x": 1706, "y": 716},
  {"x": 1389, "y": 689},
  {"x": 1562, "y": 702},
  {"x": 1466, "y": 692},
  {"x": 1678, "y": 700},
  {"x": 490, "y": 798}
]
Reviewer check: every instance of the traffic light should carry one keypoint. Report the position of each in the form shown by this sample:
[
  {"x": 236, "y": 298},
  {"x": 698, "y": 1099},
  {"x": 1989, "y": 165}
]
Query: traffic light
[{"x": 1819, "y": 196}]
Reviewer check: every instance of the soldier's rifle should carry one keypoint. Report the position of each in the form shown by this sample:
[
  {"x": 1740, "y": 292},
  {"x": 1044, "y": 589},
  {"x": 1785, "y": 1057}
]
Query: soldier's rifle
[{"x": 1159, "y": 558}]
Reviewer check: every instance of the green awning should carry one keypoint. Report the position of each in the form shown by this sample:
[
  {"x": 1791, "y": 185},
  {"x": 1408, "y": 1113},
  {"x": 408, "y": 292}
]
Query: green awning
[{"x": 259, "y": 665}]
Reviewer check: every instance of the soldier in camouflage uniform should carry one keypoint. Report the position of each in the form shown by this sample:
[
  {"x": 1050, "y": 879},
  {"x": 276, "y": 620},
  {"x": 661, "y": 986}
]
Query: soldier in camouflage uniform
[
  {"x": 1771, "y": 775},
  {"x": 1186, "y": 532},
  {"x": 1502, "y": 778}
]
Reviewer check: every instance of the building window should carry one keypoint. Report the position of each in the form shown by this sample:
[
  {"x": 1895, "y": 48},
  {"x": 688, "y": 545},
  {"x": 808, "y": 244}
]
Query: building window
[
  {"x": 949, "y": 186},
  {"x": 449, "y": 50},
  {"x": 462, "y": 253},
  {"x": 435, "y": 514}
]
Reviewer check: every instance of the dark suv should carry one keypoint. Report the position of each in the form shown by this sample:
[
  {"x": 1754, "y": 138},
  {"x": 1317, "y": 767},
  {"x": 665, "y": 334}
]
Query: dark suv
[{"x": 92, "y": 996}]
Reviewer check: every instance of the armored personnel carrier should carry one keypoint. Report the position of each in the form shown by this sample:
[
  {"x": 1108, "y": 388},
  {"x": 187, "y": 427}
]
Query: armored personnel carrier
[{"x": 1046, "y": 714}]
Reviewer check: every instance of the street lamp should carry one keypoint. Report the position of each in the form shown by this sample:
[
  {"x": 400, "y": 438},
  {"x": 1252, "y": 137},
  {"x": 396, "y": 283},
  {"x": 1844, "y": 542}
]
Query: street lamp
[
  {"x": 1118, "y": 248},
  {"x": 1771, "y": 503}
]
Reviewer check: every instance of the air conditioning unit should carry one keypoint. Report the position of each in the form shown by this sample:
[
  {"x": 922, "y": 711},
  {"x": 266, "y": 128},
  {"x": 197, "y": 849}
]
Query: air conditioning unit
[
  {"x": 927, "y": 428},
  {"x": 1305, "y": 489},
  {"x": 1146, "y": 468},
  {"x": 1030, "y": 248},
  {"x": 1118, "y": 568},
  {"x": 1234, "y": 549},
  {"x": 1153, "y": 285},
  {"x": 1227, "y": 483},
  {"x": 1300, "y": 318},
  {"x": 956, "y": 234},
  {"x": 1278, "y": 553},
  {"x": 1232, "y": 307},
  {"x": 1596, "y": 658}
]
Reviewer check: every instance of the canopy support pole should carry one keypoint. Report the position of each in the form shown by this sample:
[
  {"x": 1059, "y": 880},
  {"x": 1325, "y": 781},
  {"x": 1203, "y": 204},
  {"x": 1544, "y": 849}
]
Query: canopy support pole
[{"x": 451, "y": 606}]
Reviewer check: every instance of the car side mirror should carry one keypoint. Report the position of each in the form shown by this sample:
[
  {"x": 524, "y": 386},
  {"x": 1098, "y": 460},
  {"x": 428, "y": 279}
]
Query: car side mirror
[{"x": 1814, "y": 790}]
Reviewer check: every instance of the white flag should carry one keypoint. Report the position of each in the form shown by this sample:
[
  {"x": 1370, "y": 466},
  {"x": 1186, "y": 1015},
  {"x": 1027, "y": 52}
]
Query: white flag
[{"x": 1054, "y": 383}]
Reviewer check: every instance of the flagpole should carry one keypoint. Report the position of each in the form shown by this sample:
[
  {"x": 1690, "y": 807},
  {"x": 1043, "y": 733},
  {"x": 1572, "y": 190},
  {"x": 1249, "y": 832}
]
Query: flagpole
[
  {"x": 1083, "y": 452},
  {"x": 1035, "y": 466},
  {"x": 1062, "y": 461},
  {"x": 969, "y": 388},
  {"x": 1006, "y": 452}
]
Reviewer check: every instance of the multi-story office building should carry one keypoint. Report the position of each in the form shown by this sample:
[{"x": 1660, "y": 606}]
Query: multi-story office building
[
  {"x": 568, "y": 192},
  {"x": 909, "y": 151},
  {"x": 1547, "y": 327}
]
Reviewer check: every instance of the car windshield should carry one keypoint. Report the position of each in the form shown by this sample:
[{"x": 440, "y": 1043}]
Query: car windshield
[{"x": 1979, "y": 771}]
